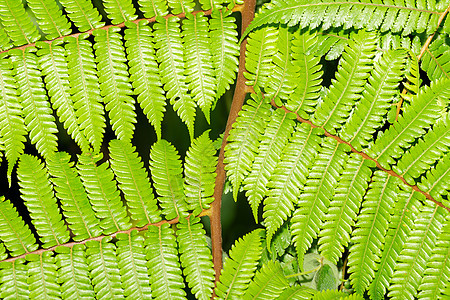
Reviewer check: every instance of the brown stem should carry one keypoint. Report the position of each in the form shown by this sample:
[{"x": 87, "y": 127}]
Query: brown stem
[{"x": 247, "y": 12}]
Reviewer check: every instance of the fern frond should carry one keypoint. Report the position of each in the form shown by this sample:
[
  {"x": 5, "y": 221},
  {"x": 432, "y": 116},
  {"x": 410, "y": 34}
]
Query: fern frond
[
  {"x": 436, "y": 60},
  {"x": 437, "y": 273},
  {"x": 42, "y": 276},
  {"x": 243, "y": 140},
  {"x": 330, "y": 43},
  {"x": 200, "y": 173},
  {"x": 103, "y": 194},
  {"x": 13, "y": 279},
  {"x": 3, "y": 254},
  {"x": 171, "y": 67},
  {"x": 344, "y": 206},
  {"x": 153, "y": 8},
  {"x": 384, "y": 15},
  {"x": 402, "y": 221},
  {"x": 73, "y": 273},
  {"x": 102, "y": 261},
  {"x": 83, "y": 14},
  {"x": 272, "y": 142},
  {"x": 288, "y": 178},
  {"x": 50, "y": 18},
  {"x": 12, "y": 124},
  {"x": 371, "y": 227},
  {"x": 317, "y": 192},
  {"x": 306, "y": 94},
  {"x": 17, "y": 24},
  {"x": 261, "y": 47},
  {"x": 132, "y": 265},
  {"x": 283, "y": 79},
  {"x": 38, "y": 114},
  {"x": 162, "y": 263},
  {"x": 144, "y": 72},
  {"x": 224, "y": 48},
  {"x": 195, "y": 257},
  {"x": 437, "y": 180},
  {"x": 297, "y": 292},
  {"x": 269, "y": 282},
  {"x": 85, "y": 90},
  {"x": 166, "y": 170},
  {"x": 74, "y": 201},
  {"x": 181, "y": 6},
  {"x": 425, "y": 109},
  {"x": 211, "y": 4},
  {"x": 240, "y": 266},
  {"x": 413, "y": 77},
  {"x": 426, "y": 152},
  {"x": 114, "y": 81},
  {"x": 14, "y": 233},
  {"x": 38, "y": 196},
  {"x": 416, "y": 252},
  {"x": 198, "y": 59},
  {"x": 336, "y": 295},
  {"x": 377, "y": 97},
  {"x": 119, "y": 11},
  {"x": 134, "y": 183},
  {"x": 5, "y": 43},
  {"x": 353, "y": 70},
  {"x": 54, "y": 67}
]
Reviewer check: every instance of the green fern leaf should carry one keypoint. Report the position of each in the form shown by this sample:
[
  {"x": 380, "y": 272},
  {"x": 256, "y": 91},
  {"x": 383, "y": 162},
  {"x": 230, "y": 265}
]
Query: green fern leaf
[
  {"x": 114, "y": 81},
  {"x": 195, "y": 257},
  {"x": 261, "y": 47},
  {"x": 153, "y": 8},
  {"x": 14, "y": 233},
  {"x": 297, "y": 292},
  {"x": 344, "y": 206},
  {"x": 416, "y": 252},
  {"x": 224, "y": 48},
  {"x": 74, "y": 201},
  {"x": 54, "y": 67},
  {"x": 405, "y": 212},
  {"x": 354, "y": 68},
  {"x": 16, "y": 23},
  {"x": 42, "y": 275},
  {"x": 413, "y": 77},
  {"x": 425, "y": 110},
  {"x": 336, "y": 295},
  {"x": 5, "y": 43},
  {"x": 289, "y": 177},
  {"x": 3, "y": 254},
  {"x": 50, "y": 18},
  {"x": 132, "y": 265},
  {"x": 272, "y": 142},
  {"x": 171, "y": 67},
  {"x": 211, "y": 4},
  {"x": 12, "y": 125},
  {"x": 269, "y": 282},
  {"x": 377, "y": 97},
  {"x": 38, "y": 114},
  {"x": 436, "y": 60},
  {"x": 330, "y": 43},
  {"x": 318, "y": 190},
  {"x": 85, "y": 90},
  {"x": 102, "y": 261},
  {"x": 163, "y": 265},
  {"x": 437, "y": 180},
  {"x": 200, "y": 173},
  {"x": 198, "y": 60},
  {"x": 103, "y": 194},
  {"x": 145, "y": 73},
  {"x": 83, "y": 14},
  {"x": 73, "y": 273},
  {"x": 166, "y": 170},
  {"x": 134, "y": 183},
  {"x": 306, "y": 93},
  {"x": 38, "y": 196},
  {"x": 181, "y": 6},
  {"x": 13, "y": 279},
  {"x": 119, "y": 11},
  {"x": 437, "y": 273},
  {"x": 384, "y": 15},
  {"x": 243, "y": 140},
  {"x": 240, "y": 266},
  {"x": 371, "y": 227},
  {"x": 426, "y": 152}
]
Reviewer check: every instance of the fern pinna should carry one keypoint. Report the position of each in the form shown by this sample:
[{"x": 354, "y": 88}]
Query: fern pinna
[{"x": 352, "y": 173}]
